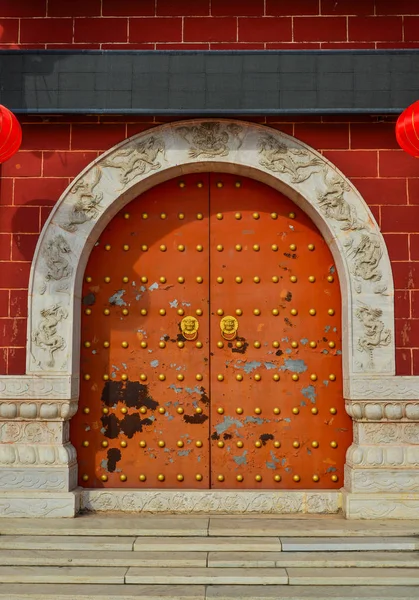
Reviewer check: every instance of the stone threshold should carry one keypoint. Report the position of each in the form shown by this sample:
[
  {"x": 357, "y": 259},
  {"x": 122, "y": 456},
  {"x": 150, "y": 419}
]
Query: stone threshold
[{"x": 211, "y": 501}]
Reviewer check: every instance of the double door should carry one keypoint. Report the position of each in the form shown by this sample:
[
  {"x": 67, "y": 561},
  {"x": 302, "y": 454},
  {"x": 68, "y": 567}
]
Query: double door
[{"x": 211, "y": 344}]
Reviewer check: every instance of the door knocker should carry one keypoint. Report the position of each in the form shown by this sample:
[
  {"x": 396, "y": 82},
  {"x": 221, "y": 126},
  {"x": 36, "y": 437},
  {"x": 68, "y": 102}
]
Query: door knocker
[
  {"x": 189, "y": 327},
  {"x": 229, "y": 326}
]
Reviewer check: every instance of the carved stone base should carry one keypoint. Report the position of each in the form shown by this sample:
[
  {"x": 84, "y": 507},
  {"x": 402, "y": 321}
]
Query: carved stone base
[
  {"x": 372, "y": 481},
  {"x": 49, "y": 479},
  {"x": 211, "y": 501},
  {"x": 39, "y": 504},
  {"x": 380, "y": 506}
]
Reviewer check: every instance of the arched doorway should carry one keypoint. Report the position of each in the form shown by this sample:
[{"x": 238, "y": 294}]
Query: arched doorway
[{"x": 211, "y": 344}]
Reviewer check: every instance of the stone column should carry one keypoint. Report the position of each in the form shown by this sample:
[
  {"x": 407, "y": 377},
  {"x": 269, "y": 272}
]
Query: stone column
[
  {"x": 382, "y": 465},
  {"x": 38, "y": 465}
]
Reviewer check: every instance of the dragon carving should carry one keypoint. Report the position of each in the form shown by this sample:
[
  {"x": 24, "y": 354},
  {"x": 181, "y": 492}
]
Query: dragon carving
[
  {"x": 87, "y": 201},
  {"x": 295, "y": 162},
  {"x": 136, "y": 160},
  {"x": 46, "y": 336},
  {"x": 210, "y": 139},
  {"x": 59, "y": 268},
  {"x": 376, "y": 335}
]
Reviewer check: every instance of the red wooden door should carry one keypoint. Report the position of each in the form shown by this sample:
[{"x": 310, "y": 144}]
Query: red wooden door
[{"x": 211, "y": 344}]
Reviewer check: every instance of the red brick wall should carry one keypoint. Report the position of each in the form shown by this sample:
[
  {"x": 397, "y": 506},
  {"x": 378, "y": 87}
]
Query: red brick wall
[
  {"x": 54, "y": 151},
  {"x": 204, "y": 24}
]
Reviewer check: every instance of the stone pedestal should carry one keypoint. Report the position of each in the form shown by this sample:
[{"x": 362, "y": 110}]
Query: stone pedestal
[
  {"x": 38, "y": 465},
  {"x": 382, "y": 465}
]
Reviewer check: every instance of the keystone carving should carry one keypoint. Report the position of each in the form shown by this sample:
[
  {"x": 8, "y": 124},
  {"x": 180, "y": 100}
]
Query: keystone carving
[
  {"x": 86, "y": 205},
  {"x": 210, "y": 139},
  {"x": 46, "y": 336},
  {"x": 136, "y": 159}
]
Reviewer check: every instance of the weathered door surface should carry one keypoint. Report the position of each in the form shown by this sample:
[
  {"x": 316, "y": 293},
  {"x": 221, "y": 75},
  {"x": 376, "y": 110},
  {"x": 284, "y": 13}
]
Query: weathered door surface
[{"x": 211, "y": 344}]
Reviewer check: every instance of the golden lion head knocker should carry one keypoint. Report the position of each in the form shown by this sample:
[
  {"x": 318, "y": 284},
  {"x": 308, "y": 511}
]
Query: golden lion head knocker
[
  {"x": 189, "y": 327},
  {"x": 229, "y": 326}
]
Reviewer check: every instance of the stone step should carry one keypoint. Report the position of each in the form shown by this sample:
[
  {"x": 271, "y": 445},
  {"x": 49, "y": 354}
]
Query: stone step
[
  {"x": 61, "y": 575},
  {"x": 299, "y": 527},
  {"x": 338, "y": 544},
  {"x": 206, "y": 576},
  {"x": 344, "y": 576},
  {"x": 103, "y": 592},
  {"x": 194, "y": 592},
  {"x": 59, "y": 542},
  {"x": 202, "y": 526},
  {"x": 121, "y": 526},
  {"x": 318, "y": 560},
  {"x": 207, "y": 544},
  {"x": 283, "y": 592},
  {"x": 51, "y": 558}
]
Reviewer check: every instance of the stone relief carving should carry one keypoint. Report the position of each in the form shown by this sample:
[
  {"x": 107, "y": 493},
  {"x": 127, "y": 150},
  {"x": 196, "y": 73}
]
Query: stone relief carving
[
  {"x": 36, "y": 432},
  {"x": 33, "y": 507},
  {"x": 136, "y": 159},
  {"x": 398, "y": 410},
  {"x": 37, "y": 454},
  {"x": 38, "y": 410},
  {"x": 365, "y": 252},
  {"x": 376, "y": 334},
  {"x": 386, "y": 433},
  {"x": 59, "y": 268},
  {"x": 382, "y": 456},
  {"x": 46, "y": 336},
  {"x": 382, "y": 481},
  {"x": 366, "y": 255},
  {"x": 33, "y": 387},
  {"x": 334, "y": 206},
  {"x": 362, "y": 507},
  {"x": 86, "y": 204},
  {"x": 396, "y": 387},
  {"x": 33, "y": 480},
  {"x": 211, "y": 139},
  {"x": 297, "y": 163},
  {"x": 322, "y": 503},
  {"x": 210, "y": 502}
]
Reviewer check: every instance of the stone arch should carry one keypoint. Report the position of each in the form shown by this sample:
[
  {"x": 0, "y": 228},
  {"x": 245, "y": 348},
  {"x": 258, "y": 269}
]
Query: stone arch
[{"x": 247, "y": 149}]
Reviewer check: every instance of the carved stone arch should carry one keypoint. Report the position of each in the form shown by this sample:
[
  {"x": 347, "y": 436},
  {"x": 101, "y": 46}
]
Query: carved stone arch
[
  {"x": 247, "y": 149},
  {"x": 38, "y": 464}
]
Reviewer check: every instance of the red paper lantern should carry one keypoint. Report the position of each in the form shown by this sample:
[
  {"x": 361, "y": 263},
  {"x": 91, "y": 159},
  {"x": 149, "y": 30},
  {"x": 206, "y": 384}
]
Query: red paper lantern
[
  {"x": 407, "y": 130},
  {"x": 10, "y": 134}
]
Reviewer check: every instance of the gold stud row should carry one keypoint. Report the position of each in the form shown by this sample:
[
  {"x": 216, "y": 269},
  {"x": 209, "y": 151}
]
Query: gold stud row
[
  {"x": 161, "y": 477},
  {"x": 199, "y": 279},
  {"x": 180, "y": 410},
  {"x": 142, "y": 477},
  {"x": 220, "y": 377},
  {"x": 220, "y": 344},
  {"x": 238, "y": 279},
  {"x": 219, "y": 247},
  {"x": 220, "y": 184}
]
